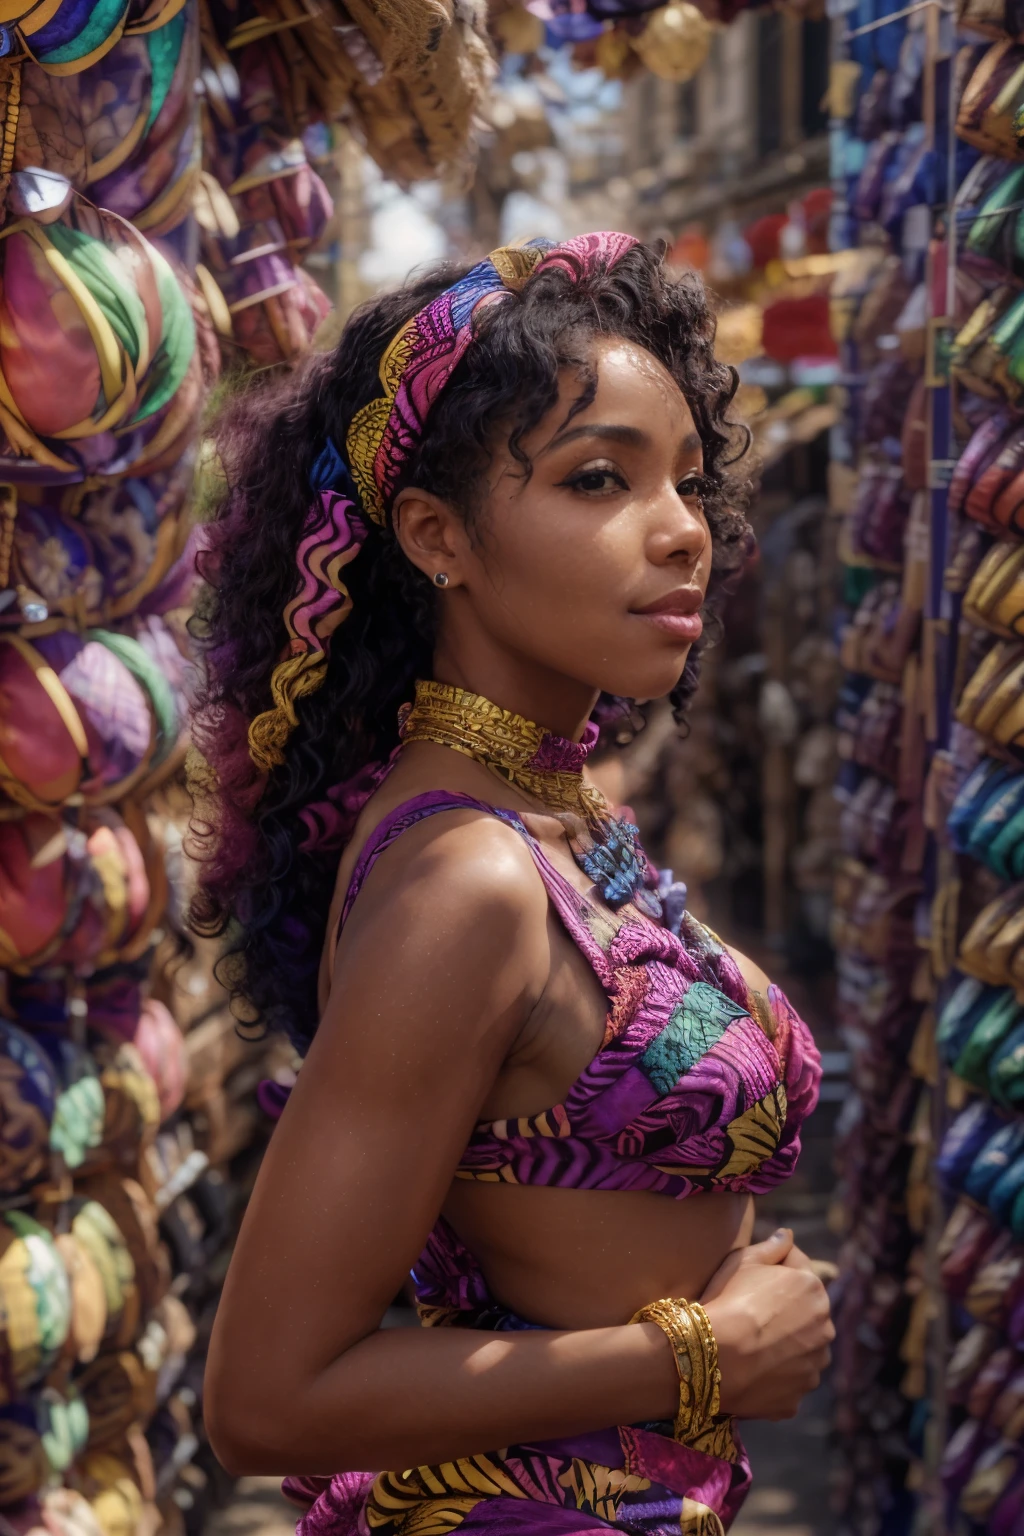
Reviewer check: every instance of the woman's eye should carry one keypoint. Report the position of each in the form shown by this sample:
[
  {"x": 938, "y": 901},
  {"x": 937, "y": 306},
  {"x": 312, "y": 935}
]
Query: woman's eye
[
  {"x": 599, "y": 479},
  {"x": 692, "y": 488}
]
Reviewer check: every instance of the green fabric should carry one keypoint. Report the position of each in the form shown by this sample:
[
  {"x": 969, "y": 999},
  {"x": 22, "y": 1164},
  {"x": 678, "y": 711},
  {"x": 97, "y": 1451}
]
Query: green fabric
[
  {"x": 107, "y": 280},
  {"x": 1005, "y": 332},
  {"x": 49, "y": 1281},
  {"x": 1015, "y": 360},
  {"x": 177, "y": 342},
  {"x": 161, "y": 695},
  {"x": 990, "y": 220},
  {"x": 858, "y": 581},
  {"x": 78, "y": 1120},
  {"x": 63, "y": 1426},
  {"x": 164, "y": 47},
  {"x": 1006, "y": 1070},
  {"x": 1004, "y": 845},
  {"x": 695, "y": 1025},
  {"x": 970, "y": 998},
  {"x": 104, "y": 18},
  {"x": 987, "y": 1036}
]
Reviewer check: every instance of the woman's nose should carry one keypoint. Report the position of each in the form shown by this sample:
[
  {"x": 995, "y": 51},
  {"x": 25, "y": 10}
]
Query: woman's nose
[{"x": 679, "y": 531}]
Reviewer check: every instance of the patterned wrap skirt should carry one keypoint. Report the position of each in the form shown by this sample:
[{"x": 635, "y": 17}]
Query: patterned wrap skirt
[{"x": 622, "y": 1479}]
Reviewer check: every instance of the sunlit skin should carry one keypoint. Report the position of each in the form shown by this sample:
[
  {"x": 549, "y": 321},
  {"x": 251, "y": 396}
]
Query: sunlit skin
[{"x": 454, "y": 994}]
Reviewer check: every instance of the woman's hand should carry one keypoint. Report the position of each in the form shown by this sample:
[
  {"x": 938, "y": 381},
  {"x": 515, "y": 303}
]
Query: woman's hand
[{"x": 770, "y": 1315}]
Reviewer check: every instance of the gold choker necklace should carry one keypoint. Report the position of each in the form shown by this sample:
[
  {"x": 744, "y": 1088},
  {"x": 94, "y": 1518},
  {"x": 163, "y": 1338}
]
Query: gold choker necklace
[{"x": 549, "y": 768}]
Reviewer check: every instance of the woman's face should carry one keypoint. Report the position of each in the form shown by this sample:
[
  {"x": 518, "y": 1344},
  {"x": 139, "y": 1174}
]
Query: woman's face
[{"x": 592, "y": 570}]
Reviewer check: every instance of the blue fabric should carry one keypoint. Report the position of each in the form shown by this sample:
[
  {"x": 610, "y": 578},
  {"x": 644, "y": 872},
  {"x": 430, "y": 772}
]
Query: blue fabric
[
  {"x": 993, "y": 1160},
  {"x": 959, "y": 1015},
  {"x": 79, "y": 27},
  {"x": 328, "y": 466},
  {"x": 970, "y": 1131},
  {"x": 331, "y": 473},
  {"x": 980, "y": 786},
  {"x": 571, "y": 29}
]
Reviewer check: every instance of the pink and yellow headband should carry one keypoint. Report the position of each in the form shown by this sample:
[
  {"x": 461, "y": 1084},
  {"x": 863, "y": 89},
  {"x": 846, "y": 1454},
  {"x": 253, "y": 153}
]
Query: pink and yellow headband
[{"x": 381, "y": 439}]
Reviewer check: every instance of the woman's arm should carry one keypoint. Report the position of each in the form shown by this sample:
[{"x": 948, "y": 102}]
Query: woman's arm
[{"x": 439, "y": 966}]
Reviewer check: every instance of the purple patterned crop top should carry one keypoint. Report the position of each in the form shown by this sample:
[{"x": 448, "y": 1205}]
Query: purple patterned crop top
[{"x": 699, "y": 1082}]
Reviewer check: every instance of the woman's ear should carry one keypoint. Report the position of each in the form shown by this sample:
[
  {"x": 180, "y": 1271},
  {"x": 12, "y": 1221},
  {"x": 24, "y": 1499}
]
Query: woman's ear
[{"x": 429, "y": 533}]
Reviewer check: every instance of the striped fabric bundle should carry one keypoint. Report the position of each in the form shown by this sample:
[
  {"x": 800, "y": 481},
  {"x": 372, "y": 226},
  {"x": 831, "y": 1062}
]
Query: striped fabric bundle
[
  {"x": 136, "y": 135},
  {"x": 141, "y": 124},
  {"x": 96, "y": 336},
  {"x": 80, "y": 715},
  {"x": 76, "y": 895},
  {"x": 96, "y": 557},
  {"x": 68, "y": 36}
]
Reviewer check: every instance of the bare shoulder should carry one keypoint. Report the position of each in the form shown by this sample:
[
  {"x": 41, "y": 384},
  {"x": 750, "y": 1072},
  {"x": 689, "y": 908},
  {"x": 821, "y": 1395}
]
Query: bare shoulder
[
  {"x": 446, "y": 948},
  {"x": 461, "y": 873},
  {"x": 752, "y": 974}
]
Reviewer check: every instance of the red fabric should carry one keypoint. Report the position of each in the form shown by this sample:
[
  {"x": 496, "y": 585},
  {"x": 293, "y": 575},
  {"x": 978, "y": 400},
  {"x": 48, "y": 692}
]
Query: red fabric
[
  {"x": 763, "y": 238},
  {"x": 46, "y": 352},
  {"x": 798, "y": 328},
  {"x": 817, "y": 212},
  {"x": 34, "y": 741},
  {"x": 33, "y": 901}
]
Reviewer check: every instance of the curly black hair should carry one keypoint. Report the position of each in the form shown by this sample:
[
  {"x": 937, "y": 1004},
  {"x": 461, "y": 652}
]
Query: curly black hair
[{"x": 263, "y": 878}]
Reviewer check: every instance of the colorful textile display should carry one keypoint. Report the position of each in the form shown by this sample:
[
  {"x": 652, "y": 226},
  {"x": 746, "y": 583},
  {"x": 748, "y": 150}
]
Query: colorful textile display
[
  {"x": 931, "y": 901},
  {"x": 879, "y": 489},
  {"x": 156, "y": 201}
]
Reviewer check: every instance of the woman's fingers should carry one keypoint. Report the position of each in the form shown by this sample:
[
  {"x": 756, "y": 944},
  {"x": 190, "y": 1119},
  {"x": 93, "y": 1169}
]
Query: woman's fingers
[
  {"x": 771, "y": 1251},
  {"x": 772, "y": 1320}
]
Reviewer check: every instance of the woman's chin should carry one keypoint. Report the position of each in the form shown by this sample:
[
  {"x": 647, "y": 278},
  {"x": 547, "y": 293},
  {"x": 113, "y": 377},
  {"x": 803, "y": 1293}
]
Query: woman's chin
[{"x": 648, "y": 681}]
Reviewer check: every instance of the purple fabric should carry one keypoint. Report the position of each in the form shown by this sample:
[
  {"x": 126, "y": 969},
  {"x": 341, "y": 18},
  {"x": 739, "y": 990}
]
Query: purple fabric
[
  {"x": 620, "y": 1479},
  {"x": 682, "y": 1054},
  {"x": 111, "y": 704},
  {"x": 556, "y": 754},
  {"x": 272, "y": 1097},
  {"x": 1007, "y": 1518}
]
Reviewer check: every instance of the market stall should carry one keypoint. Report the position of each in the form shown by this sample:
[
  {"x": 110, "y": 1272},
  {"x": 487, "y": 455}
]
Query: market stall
[
  {"x": 157, "y": 197},
  {"x": 928, "y": 907}
]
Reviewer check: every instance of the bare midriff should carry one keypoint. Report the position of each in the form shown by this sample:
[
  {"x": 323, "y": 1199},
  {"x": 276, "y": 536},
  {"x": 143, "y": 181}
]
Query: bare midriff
[{"x": 588, "y": 1258}]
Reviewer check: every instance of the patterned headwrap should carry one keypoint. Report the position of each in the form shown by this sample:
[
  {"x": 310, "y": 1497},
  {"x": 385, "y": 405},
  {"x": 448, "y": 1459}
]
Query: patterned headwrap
[{"x": 381, "y": 439}]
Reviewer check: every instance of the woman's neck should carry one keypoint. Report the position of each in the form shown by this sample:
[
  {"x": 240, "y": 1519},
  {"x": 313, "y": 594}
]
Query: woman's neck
[{"x": 560, "y": 704}]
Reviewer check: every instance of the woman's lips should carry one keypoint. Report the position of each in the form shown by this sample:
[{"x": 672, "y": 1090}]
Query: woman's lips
[{"x": 676, "y": 614}]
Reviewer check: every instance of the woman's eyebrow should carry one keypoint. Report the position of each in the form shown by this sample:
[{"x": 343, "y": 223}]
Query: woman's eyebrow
[{"x": 635, "y": 437}]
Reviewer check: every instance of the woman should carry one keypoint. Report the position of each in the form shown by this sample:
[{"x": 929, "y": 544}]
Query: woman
[{"x": 500, "y": 501}]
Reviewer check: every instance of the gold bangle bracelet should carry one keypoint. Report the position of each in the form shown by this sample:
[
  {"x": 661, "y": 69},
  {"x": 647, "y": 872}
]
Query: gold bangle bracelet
[{"x": 699, "y": 1421}]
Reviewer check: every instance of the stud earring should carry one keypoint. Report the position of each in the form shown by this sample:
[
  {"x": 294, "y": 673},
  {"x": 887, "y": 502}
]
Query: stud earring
[{"x": 440, "y": 578}]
